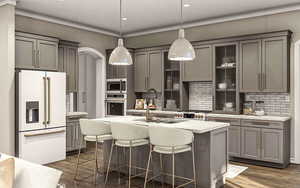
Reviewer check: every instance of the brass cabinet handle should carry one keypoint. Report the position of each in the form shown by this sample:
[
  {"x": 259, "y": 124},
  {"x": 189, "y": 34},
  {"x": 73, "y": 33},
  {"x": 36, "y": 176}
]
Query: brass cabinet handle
[
  {"x": 34, "y": 58},
  {"x": 258, "y": 81},
  {"x": 38, "y": 58},
  {"x": 49, "y": 100},
  {"x": 265, "y": 80},
  {"x": 45, "y": 100}
]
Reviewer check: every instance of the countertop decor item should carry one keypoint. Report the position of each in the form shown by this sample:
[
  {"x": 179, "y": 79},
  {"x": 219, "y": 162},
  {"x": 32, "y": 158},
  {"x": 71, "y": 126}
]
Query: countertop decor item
[
  {"x": 139, "y": 104},
  {"x": 222, "y": 85},
  {"x": 181, "y": 49},
  {"x": 120, "y": 55}
]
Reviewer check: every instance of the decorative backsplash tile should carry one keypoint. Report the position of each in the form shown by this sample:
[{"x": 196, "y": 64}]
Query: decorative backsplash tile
[
  {"x": 200, "y": 96},
  {"x": 273, "y": 103}
]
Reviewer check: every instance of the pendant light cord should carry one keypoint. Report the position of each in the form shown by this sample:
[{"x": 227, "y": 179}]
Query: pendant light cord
[
  {"x": 120, "y": 18},
  {"x": 181, "y": 17}
]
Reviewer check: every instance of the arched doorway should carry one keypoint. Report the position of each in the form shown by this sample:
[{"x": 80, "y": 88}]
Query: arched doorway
[{"x": 91, "y": 94}]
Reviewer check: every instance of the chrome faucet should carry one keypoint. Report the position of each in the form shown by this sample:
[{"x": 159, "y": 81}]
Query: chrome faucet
[{"x": 151, "y": 94}]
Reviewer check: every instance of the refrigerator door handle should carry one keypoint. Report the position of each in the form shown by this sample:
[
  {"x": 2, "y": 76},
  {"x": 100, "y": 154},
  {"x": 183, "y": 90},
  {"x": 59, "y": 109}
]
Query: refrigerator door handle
[
  {"x": 45, "y": 100},
  {"x": 44, "y": 133},
  {"x": 49, "y": 100}
]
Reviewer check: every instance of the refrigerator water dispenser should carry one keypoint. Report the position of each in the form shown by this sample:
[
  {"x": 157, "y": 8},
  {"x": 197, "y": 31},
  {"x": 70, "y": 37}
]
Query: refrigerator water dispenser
[{"x": 32, "y": 112}]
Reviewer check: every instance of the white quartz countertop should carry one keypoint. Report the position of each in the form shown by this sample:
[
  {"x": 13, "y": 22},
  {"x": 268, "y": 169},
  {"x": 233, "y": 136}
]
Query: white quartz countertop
[
  {"x": 247, "y": 117},
  {"x": 76, "y": 114},
  {"x": 197, "y": 126}
]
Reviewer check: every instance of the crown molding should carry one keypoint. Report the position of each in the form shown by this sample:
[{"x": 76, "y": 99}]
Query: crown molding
[
  {"x": 265, "y": 12},
  {"x": 8, "y": 2},
  {"x": 24, "y": 13}
]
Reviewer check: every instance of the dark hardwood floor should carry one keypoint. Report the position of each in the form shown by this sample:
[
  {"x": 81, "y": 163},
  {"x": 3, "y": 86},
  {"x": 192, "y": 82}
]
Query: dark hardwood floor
[{"x": 253, "y": 177}]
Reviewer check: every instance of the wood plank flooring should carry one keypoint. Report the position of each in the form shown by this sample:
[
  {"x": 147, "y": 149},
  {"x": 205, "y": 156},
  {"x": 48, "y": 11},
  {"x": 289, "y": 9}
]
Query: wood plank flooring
[{"x": 253, "y": 177}]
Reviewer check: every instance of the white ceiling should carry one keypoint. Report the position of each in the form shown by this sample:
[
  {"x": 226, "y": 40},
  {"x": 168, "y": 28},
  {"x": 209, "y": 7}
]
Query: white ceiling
[{"x": 143, "y": 15}]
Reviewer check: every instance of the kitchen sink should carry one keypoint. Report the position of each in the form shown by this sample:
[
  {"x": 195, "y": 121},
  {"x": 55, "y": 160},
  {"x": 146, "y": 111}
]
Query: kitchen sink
[{"x": 161, "y": 120}]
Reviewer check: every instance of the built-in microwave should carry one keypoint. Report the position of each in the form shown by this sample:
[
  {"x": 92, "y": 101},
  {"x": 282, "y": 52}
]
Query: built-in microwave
[{"x": 116, "y": 85}]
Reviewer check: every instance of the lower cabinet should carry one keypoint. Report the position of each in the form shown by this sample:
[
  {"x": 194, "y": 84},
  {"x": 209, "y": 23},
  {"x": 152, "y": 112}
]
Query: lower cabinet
[
  {"x": 74, "y": 136},
  {"x": 251, "y": 143},
  {"x": 234, "y": 141},
  {"x": 272, "y": 145}
]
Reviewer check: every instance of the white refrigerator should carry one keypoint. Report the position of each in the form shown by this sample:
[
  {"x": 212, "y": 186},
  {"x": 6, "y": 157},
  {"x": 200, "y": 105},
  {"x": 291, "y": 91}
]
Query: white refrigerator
[{"x": 41, "y": 116}]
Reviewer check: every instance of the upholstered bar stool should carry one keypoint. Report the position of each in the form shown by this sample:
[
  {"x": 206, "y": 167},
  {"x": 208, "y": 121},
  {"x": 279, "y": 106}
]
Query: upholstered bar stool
[
  {"x": 171, "y": 141},
  {"x": 128, "y": 135},
  {"x": 93, "y": 130}
]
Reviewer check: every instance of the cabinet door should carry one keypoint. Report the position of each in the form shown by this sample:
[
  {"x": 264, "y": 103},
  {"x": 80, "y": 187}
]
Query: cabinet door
[
  {"x": 25, "y": 53},
  {"x": 61, "y": 59},
  {"x": 250, "y": 66},
  {"x": 47, "y": 55},
  {"x": 70, "y": 136},
  {"x": 272, "y": 145},
  {"x": 72, "y": 71},
  {"x": 155, "y": 70},
  {"x": 200, "y": 69},
  {"x": 234, "y": 141},
  {"x": 275, "y": 65},
  {"x": 251, "y": 142},
  {"x": 140, "y": 72}
]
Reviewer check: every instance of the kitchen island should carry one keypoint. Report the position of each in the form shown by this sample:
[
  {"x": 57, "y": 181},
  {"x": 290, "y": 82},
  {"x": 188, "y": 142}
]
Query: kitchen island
[{"x": 211, "y": 158}]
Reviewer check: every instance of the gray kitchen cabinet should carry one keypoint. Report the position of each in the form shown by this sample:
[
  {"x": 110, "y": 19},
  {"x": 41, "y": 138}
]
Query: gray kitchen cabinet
[
  {"x": 47, "y": 55},
  {"x": 201, "y": 68},
  {"x": 154, "y": 79},
  {"x": 275, "y": 64},
  {"x": 234, "y": 141},
  {"x": 25, "y": 52},
  {"x": 272, "y": 145},
  {"x": 68, "y": 63},
  {"x": 251, "y": 142},
  {"x": 74, "y": 135},
  {"x": 250, "y": 66},
  {"x": 140, "y": 71},
  {"x": 36, "y": 52},
  {"x": 148, "y": 71}
]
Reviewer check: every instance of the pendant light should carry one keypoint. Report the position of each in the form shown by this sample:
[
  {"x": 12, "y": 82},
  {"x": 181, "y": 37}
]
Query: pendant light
[
  {"x": 181, "y": 49},
  {"x": 120, "y": 55}
]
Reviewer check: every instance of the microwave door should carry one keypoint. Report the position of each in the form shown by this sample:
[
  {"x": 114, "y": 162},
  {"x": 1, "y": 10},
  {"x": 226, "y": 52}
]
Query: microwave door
[
  {"x": 56, "y": 99},
  {"x": 31, "y": 100}
]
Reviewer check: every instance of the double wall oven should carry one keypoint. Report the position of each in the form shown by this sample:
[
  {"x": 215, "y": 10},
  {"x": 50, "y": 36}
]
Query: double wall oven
[{"x": 116, "y": 97}]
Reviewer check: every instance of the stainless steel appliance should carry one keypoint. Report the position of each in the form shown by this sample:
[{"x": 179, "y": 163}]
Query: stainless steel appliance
[
  {"x": 116, "y": 104},
  {"x": 41, "y": 116},
  {"x": 116, "y": 85}
]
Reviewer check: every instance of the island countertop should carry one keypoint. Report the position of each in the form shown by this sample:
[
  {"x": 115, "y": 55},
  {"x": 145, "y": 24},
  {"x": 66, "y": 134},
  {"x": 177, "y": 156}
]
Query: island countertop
[{"x": 197, "y": 126}]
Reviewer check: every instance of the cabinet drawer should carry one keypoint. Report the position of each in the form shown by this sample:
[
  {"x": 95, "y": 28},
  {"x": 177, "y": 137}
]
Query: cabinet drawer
[
  {"x": 225, "y": 120},
  {"x": 263, "y": 124}
]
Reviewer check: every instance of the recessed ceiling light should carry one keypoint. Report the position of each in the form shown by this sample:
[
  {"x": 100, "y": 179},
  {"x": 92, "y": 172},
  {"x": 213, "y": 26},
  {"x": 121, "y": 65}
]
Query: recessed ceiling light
[
  {"x": 187, "y": 5},
  {"x": 124, "y": 18}
]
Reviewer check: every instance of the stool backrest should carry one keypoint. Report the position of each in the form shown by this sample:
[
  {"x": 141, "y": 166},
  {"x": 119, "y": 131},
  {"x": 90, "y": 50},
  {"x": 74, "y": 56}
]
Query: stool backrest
[
  {"x": 128, "y": 131},
  {"x": 168, "y": 136},
  {"x": 94, "y": 127}
]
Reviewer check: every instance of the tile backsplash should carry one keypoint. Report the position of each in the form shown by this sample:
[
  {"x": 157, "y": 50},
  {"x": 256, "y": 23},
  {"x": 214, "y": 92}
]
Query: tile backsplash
[
  {"x": 157, "y": 101},
  {"x": 273, "y": 103},
  {"x": 200, "y": 96}
]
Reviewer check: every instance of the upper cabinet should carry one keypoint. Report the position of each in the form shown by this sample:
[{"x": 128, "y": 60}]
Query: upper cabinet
[
  {"x": 68, "y": 63},
  {"x": 36, "y": 52},
  {"x": 264, "y": 64},
  {"x": 148, "y": 71},
  {"x": 201, "y": 68}
]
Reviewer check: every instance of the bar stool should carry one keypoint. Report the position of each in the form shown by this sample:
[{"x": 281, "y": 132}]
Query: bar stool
[
  {"x": 94, "y": 131},
  {"x": 171, "y": 141},
  {"x": 128, "y": 135}
]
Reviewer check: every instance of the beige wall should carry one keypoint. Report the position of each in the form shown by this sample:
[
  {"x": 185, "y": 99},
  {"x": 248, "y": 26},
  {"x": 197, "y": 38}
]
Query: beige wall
[
  {"x": 290, "y": 20},
  {"x": 98, "y": 41},
  {"x": 7, "y": 67}
]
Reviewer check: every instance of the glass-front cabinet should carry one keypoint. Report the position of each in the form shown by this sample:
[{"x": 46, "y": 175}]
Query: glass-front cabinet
[
  {"x": 226, "y": 92},
  {"x": 171, "y": 93}
]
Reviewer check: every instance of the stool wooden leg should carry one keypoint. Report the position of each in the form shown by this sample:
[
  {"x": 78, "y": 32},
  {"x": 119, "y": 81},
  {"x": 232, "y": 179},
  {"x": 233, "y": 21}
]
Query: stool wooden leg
[
  {"x": 79, "y": 151},
  {"x": 194, "y": 167},
  {"x": 109, "y": 161},
  {"x": 148, "y": 165}
]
